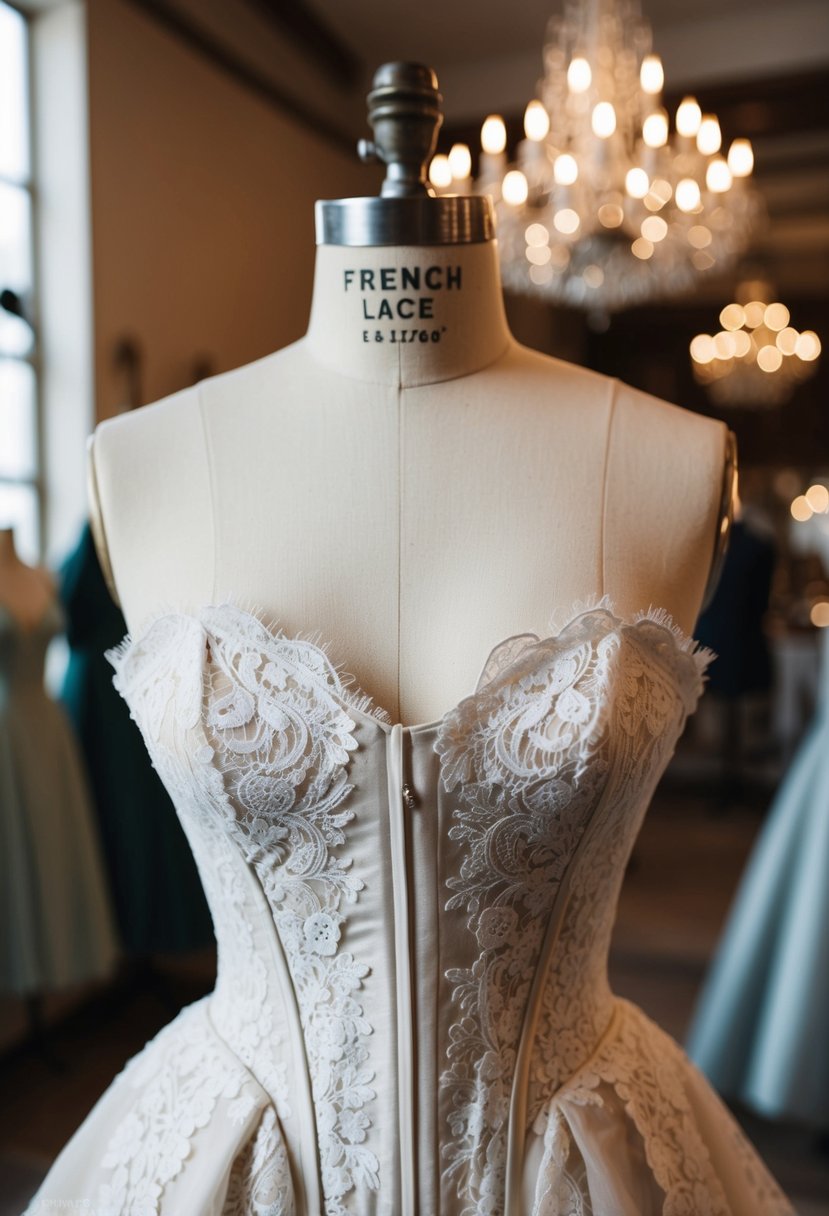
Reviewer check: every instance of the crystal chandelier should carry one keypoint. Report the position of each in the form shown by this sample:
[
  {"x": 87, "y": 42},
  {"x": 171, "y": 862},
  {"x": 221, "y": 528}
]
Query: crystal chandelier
[
  {"x": 603, "y": 206},
  {"x": 757, "y": 359}
]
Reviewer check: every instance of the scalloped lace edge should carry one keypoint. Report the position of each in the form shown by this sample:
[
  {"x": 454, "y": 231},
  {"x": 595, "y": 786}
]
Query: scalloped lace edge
[{"x": 345, "y": 684}]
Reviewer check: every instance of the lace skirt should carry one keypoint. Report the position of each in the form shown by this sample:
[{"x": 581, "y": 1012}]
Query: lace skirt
[{"x": 186, "y": 1130}]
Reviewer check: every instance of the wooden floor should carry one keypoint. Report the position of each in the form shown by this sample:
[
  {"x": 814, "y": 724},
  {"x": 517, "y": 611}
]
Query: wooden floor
[{"x": 675, "y": 897}]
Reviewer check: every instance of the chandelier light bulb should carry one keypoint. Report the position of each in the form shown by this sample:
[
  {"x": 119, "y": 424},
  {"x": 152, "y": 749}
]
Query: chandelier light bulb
[
  {"x": 755, "y": 312},
  {"x": 800, "y": 509},
  {"x": 688, "y": 117},
  {"x": 603, "y": 119},
  {"x": 742, "y": 343},
  {"x": 732, "y": 317},
  {"x": 807, "y": 346},
  {"x": 514, "y": 189},
  {"x": 817, "y": 496},
  {"x": 654, "y": 229},
  {"x": 536, "y": 235},
  {"x": 566, "y": 221},
  {"x": 769, "y": 359},
  {"x": 718, "y": 176},
  {"x": 702, "y": 348},
  {"x": 440, "y": 174},
  {"x": 776, "y": 317},
  {"x": 651, "y": 76},
  {"x": 655, "y": 129},
  {"x": 538, "y": 255},
  {"x": 579, "y": 75},
  {"x": 637, "y": 183},
  {"x": 819, "y": 614},
  {"x": 493, "y": 135},
  {"x": 741, "y": 157},
  {"x": 786, "y": 340},
  {"x": 536, "y": 122},
  {"x": 709, "y": 137},
  {"x": 687, "y": 194},
  {"x": 611, "y": 215},
  {"x": 725, "y": 345},
  {"x": 565, "y": 169},
  {"x": 699, "y": 236},
  {"x": 659, "y": 194},
  {"x": 460, "y": 162}
]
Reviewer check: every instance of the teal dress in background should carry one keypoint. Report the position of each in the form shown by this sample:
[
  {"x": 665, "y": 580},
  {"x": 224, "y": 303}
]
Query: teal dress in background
[
  {"x": 761, "y": 1028},
  {"x": 159, "y": 902}
]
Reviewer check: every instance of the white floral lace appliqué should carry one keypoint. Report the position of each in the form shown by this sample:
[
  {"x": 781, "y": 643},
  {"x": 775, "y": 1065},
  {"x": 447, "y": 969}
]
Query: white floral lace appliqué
[
  {"x": 535, "y": 757},
  {"x": 275, "y": 743}
]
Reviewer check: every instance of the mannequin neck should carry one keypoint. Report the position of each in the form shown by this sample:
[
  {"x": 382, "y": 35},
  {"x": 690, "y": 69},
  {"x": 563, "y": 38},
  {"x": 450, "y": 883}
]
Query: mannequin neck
[
  {"x": 407, "y": 315},
  {"x": 8, "y": 553}
]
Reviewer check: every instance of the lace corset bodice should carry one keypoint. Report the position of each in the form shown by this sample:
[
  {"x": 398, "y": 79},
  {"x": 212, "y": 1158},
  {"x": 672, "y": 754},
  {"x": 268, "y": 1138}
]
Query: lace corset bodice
[{"x": 413, "y": 922}]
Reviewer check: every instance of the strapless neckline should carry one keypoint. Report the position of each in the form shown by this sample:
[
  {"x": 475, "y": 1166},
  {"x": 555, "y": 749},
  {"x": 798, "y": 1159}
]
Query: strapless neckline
[{"x": 345, "y": 686}]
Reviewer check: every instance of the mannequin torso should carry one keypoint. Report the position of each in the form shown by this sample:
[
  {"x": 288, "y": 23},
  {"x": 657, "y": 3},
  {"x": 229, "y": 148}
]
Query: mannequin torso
[
  {"x": 409, "y": 501},
  {"x": 413, "y": 907}
]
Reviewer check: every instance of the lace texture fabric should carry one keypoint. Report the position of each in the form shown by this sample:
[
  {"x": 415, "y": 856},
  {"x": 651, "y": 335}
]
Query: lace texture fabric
[
  {"x": 280, "y": 1094},
  {"x": 270, "y": 761},
  {"x": 179, "y": 1081},
  {"x": 640, "y": 1068},
  {"x": 544, "y": 753}
]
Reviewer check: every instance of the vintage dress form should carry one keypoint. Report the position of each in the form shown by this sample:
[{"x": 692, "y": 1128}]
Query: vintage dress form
[{"x": 412, "y": 868}]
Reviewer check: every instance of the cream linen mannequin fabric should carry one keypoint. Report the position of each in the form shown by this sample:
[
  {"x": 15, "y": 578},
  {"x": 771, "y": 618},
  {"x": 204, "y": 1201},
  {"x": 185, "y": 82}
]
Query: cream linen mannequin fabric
[{"x": 412, "y": 1012}]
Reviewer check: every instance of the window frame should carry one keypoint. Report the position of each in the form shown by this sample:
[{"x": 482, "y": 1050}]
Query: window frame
[{"x": 35, "y": 481}]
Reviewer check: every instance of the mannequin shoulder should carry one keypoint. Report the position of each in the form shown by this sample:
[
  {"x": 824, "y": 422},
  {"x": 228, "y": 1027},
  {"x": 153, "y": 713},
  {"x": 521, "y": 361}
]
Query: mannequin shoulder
[
  {"x": 150, "y": 483},
  {"x": 668, "y": 437},
  {"x": 669, "y": 489},
  {"x": 157, "y": 428},
  {"x": 678, "y": 455},
  {"x": 554, "y": 381},
  {"x": 637, "y": 420},
  {"x": 145, "y": 469},
  {"x": 645, "y": 436},
  {"x": 172, "y": 427}
]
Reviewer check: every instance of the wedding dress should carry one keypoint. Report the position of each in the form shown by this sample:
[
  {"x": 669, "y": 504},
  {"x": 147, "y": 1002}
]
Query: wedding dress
[{"x": 412, "y": 1013}]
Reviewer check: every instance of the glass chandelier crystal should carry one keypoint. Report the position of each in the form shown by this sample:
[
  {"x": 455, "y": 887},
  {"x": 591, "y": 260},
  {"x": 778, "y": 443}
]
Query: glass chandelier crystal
[
  {"x": 603, "y": 206},
  {"x": 757, "y": 359}
]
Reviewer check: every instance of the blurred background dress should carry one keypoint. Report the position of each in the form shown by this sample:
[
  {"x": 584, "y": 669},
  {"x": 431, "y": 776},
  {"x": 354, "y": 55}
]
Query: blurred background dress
[
  {"x": 57, "y": 926},
  {"x": 733, "y": 623},
  {"x": 761, "y": 1028},
  {"x": 159, "y": 902}
]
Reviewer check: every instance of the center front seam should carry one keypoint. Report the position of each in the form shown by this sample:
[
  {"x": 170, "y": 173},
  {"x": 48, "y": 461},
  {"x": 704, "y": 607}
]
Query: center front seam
[
  {"x": 399, "y": 532},
  {"x": 405, "y": 1028}
]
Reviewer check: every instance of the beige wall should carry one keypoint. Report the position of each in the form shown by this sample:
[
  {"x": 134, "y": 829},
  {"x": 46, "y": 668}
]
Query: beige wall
[
  {"x": 202, "y": 208},
  {"x": 202, "y": 237}
]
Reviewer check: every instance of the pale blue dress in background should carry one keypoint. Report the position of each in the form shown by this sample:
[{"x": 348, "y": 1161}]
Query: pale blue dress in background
[{"x": 761, "y": 1027}]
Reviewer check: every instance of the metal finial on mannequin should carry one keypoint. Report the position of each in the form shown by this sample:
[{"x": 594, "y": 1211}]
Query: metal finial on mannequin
[{"x": 405, "y": 114}]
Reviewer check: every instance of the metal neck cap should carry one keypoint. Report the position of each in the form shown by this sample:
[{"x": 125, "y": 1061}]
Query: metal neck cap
[{"x": 405, "y": 113}]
